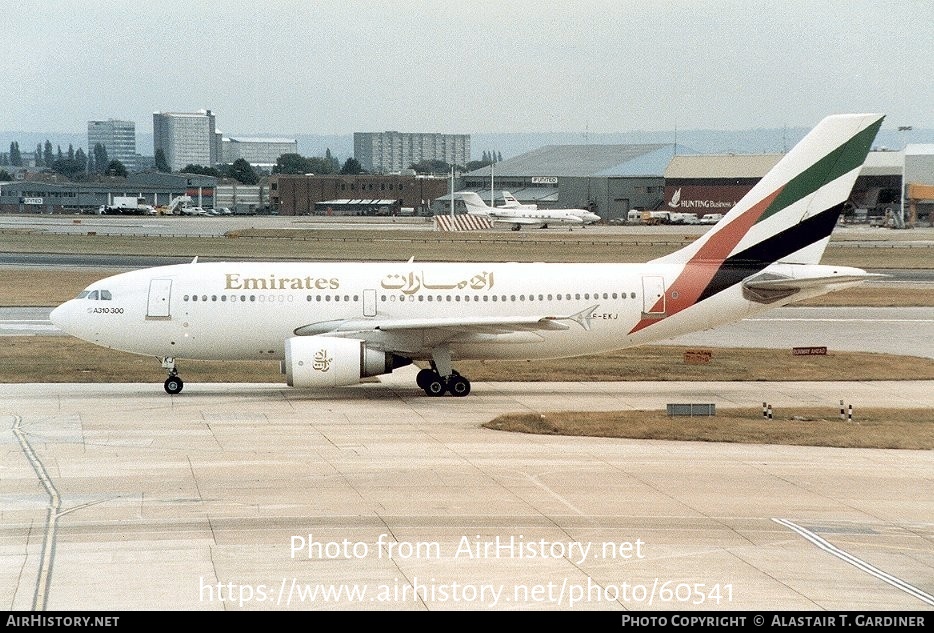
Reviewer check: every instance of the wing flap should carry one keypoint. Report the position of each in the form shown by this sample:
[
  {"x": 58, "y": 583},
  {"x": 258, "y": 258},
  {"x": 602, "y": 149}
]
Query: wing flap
[
  {"x": 496, "y": 325},
  {"x": 516, "y": 220},
  {"x": 484, "y": 325}
]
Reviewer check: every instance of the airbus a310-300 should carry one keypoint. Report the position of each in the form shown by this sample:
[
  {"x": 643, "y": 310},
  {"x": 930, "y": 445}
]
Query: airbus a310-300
[{"x": 333, "y": 324}]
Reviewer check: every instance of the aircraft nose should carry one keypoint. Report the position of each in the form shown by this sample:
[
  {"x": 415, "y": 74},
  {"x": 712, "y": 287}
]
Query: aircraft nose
[{"x": 63, "y": 317}]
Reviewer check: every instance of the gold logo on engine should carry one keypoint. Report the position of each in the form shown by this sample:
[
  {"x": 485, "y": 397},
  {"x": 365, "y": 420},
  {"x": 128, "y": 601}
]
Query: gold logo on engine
[{"x": 322, "y": 362}]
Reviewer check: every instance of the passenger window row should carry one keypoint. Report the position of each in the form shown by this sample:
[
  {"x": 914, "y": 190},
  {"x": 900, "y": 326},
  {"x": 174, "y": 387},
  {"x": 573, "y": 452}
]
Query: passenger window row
[{"x": 105, "y": 295}]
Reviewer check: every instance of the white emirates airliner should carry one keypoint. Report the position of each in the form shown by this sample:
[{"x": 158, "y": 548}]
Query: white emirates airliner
[{"x": 332, "y": 324}]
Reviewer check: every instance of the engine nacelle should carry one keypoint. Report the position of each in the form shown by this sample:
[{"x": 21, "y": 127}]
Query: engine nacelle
[{"x": 324, "y": 361}]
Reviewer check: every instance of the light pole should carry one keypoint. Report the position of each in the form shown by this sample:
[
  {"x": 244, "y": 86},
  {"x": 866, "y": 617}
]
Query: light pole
[{"x": 900, "y": 223}]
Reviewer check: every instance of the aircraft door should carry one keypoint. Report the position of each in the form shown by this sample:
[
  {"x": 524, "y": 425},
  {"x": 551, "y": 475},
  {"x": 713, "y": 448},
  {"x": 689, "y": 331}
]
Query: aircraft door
[
  {"x": 369, "y": 303},
  {"x": 160, "y": 298},
  {"x": 653, "y": 296}
]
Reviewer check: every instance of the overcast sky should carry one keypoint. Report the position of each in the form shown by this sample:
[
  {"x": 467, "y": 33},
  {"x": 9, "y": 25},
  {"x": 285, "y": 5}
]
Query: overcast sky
[{"x": 334, "y": 67}]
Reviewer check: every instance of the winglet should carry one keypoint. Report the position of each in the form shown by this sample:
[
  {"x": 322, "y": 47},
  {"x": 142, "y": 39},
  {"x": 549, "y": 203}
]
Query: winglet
[{"x": 582, "y": 318}]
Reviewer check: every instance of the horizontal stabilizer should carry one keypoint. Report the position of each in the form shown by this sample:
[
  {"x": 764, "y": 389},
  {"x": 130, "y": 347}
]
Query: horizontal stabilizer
[
  {"x": 772, "y": 287},
  {"x": 812, "y": 282}
]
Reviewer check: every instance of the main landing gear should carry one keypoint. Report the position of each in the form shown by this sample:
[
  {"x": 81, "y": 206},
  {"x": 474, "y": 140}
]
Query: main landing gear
[
  {"x": 435, "y": 384},
  {"x": 442, "y": 378},
  {"x": 173, "y": 384}
]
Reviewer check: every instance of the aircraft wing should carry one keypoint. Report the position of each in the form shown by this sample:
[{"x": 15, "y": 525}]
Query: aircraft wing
[
  {"x": 411, "y": 334},
  {"x": 511, "y": 219}
]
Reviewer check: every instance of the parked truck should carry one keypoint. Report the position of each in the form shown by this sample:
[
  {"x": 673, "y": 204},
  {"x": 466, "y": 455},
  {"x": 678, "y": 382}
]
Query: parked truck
[
  {"x": 126, "y": 205},
  {"x": 656, "y": 217}
]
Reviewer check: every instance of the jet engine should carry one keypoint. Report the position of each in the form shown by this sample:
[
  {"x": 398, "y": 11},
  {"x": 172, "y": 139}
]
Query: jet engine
[{"x": 324, "y": 361}]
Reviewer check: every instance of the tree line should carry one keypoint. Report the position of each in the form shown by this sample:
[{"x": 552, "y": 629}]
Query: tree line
[
  {"x": 75, "y": 164},
  {"x": 319, "y": 165},
  {"x": 72, "y": 164},
  {"x": 441, "y": 168}
]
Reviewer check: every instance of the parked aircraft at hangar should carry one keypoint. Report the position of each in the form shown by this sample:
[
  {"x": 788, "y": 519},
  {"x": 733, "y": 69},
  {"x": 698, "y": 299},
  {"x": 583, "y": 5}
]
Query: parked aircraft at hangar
[{"x": 518, "y": 215}]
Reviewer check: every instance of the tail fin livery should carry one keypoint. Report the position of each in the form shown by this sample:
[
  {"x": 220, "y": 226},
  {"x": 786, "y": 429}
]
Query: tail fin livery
[
  {"x": 789, "y": 215},
  {"x": 786, "y": 218}
]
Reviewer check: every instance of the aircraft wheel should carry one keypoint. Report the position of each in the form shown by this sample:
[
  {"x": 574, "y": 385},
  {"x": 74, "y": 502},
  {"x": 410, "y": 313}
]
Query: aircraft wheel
[
  {"x": 423, "y": 377},
  {"x": 458, "y": 386},
  {"x": 173, "y": 385},
  {"x": 435, "y": 386}
]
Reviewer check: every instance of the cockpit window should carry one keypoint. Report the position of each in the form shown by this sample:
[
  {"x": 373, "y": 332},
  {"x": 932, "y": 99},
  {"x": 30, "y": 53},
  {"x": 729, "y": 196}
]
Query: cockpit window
[{"x": 95, "y": 295}]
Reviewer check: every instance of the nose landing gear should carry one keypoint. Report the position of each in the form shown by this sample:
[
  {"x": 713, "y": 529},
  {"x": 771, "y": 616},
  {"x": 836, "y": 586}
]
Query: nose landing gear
[{"x": 173, "y": 384}]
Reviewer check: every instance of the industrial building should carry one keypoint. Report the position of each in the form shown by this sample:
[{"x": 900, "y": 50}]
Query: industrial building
[
  {"x": 186, "y": 138},
  {"x": 241, "y": 198},
  {"x": 354, "y": 194},
  {"x": 391, "y": 152},
  {"x": 608, "y": 180},
  {"x": 117, "y": 137},
  {"x": 157, "y": 189}
]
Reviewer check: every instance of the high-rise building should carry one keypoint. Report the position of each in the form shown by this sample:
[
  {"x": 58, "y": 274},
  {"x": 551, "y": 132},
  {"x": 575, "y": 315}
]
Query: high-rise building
[
  {"x": 262, "y": 152},
  {"x": 186, "y": 138},
  {"x": 387, "y": 152},
  {"x": 117, "y": 137}
]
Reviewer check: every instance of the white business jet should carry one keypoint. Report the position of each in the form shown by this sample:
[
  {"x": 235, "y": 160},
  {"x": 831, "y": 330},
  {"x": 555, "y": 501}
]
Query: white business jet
[
  {"x": 518, "y": 215},
  {"x": 333, "y": 324}
]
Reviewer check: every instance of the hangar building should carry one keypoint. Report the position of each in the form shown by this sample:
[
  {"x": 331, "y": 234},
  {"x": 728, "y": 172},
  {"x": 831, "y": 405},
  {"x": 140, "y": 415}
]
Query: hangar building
[
  {"x": 608, "y": 180},
  {"x": 919, "y": 184},
  {"x": 704, "y": 184}
]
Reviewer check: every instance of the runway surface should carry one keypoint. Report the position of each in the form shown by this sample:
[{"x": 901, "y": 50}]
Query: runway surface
[
  {"x": 119, "y": 497},
  {"x": 908, "y": 331}
]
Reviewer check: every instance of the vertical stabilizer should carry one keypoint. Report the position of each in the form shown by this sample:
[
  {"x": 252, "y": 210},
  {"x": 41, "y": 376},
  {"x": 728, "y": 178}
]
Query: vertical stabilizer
[{"x": 789, "y": 215}]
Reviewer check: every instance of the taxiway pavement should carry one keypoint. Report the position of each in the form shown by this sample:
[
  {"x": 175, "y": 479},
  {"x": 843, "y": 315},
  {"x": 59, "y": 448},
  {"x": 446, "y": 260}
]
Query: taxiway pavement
[{"x": 259, "y": 497}]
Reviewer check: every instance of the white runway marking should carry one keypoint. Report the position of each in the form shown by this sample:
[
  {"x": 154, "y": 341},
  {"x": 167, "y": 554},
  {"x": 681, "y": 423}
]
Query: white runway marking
[
  {"x": 43, "y": 582},
  {"x": 858, "y": 563}
]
